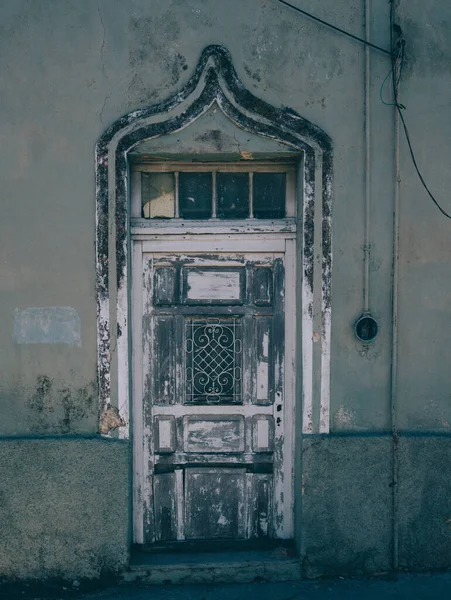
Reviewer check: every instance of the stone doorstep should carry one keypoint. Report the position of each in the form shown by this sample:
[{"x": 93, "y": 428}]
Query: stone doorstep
[{"x": 220, "y": 568}]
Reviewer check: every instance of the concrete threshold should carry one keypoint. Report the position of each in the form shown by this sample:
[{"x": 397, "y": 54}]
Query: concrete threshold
[{"x": 213, "y": 567}]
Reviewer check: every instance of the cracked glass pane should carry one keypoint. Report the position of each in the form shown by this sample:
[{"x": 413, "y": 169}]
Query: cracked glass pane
[{"x": 158, "y": 195}]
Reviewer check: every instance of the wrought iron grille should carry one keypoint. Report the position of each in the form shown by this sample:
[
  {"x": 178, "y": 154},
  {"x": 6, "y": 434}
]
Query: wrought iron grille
[{"x": 213, "y": 361}]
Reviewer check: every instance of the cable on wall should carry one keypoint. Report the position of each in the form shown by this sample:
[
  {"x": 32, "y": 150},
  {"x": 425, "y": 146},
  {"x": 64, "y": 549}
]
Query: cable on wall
[
  {"x": 335, "y": 28},
  {"x": 397, "y": 63},
  {"x": 396, "y": 54}
]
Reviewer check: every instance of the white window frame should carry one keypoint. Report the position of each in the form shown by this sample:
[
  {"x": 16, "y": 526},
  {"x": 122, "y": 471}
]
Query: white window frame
[{"x": 136, "y": 168}]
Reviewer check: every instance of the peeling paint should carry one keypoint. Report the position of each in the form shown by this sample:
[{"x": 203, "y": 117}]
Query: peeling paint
[
  {"x": 344, "y": 417},
  {"x": 110, "y": 420},
  {"x": 214, "y": 81}
]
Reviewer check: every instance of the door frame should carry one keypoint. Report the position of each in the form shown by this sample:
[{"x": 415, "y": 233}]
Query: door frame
[
  {"x": 215, "y": 82},
  {"x": 158, "y": 241}
]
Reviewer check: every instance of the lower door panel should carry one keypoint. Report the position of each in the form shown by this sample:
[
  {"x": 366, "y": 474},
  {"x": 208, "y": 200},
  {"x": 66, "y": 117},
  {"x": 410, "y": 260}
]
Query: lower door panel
[{"x": 201, "y": 503}]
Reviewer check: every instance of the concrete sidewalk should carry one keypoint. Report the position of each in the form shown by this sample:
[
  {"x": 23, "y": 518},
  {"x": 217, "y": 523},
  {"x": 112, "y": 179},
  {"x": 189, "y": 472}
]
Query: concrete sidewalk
[
  {"x": 401, "y": 587},
  {"x": 405, "y": 587}
]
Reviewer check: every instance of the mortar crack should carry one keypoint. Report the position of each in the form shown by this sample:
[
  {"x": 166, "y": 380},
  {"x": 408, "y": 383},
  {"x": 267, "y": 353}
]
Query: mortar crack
[
  {"x": 237, "y": 143},
  {"x": 102, "y": 60}
]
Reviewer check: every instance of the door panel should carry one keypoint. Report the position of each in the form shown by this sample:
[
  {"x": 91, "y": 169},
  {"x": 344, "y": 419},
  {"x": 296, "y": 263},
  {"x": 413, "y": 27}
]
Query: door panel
[
  {"x": 264, "y": 384},
  {"x": 213, "y": 285},
  {"x": 165, "y": 507},
  {"x": 215, "y": 503},
  {"x": 165, "y": 434},
  {"x": 163, "y": 356},
  {"x": 213, "y": 401},
  {"x": 213, "y": 434}
]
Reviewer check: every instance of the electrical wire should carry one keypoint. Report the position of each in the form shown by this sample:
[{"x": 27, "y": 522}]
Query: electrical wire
[
  {"x": 327, "y": 24},
  {"x": 397, "y": 68},
  {"x": 381, "y": 91},
  {"x": 396, "y": 54},
  {"x": 397, "y": 61}
]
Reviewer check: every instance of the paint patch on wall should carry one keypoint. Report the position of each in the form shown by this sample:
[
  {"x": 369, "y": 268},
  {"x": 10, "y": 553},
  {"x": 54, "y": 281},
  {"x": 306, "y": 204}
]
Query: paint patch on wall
[
  {"x": 344, "y": 417},
  {"x": 47, "y": 325}
]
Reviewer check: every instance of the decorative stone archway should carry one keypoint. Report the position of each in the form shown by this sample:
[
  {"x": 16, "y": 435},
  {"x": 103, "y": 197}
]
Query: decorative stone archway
[{"x": 214, "y": 80}]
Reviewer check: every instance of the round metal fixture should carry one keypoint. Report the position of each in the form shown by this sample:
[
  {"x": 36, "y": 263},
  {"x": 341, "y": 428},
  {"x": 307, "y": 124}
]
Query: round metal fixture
[{"x": 366, "y": 328}]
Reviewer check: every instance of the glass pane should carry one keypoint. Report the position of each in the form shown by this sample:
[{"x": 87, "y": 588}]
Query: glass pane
[
  {"x": 269, "y": 195},
  {"x": 232, "y": 196},
  {"x": 195, "y": 195},
  {"x": 158, "y": 195}
]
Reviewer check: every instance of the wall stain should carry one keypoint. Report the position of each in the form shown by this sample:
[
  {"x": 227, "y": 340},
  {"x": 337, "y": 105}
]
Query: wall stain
[
  {"x": 39, "y": 400},
  {"x": 254, "y": 75},
  {"x": 58, "y": 408},
  {"x": 215, "y": 136},
  {"x": 154, "y": 42},
  {"x": 428, "y": 51}
]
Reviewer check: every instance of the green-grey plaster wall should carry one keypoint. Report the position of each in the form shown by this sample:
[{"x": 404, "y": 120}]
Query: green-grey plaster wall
[
  {"x": 355, "y": 521},
  {"x": 424, "y": 390},
  {"x": 68, "y": 71},
  {"x": 347, "y": 505},
  {"x": 424, "y": 494},
  {"x": 63, "y": 507}
]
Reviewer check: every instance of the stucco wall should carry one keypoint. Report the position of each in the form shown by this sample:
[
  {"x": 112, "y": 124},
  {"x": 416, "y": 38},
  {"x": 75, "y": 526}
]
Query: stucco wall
[
  {"x": 425, "y": 266},
  {"x": 69, "y": 69},
  {"x": 63, "y": 507}
]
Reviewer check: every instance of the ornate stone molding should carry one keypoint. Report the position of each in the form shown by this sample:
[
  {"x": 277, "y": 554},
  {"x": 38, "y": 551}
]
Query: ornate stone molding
[{"x": 214, "y": 80}]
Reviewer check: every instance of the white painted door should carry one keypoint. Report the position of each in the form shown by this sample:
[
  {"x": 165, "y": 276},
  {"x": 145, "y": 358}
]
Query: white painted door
[{"x": 214, "y": 455}]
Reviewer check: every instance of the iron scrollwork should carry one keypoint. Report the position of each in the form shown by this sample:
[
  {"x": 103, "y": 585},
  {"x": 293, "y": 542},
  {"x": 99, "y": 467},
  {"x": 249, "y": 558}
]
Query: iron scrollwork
[{"x": 213, "y": 361}]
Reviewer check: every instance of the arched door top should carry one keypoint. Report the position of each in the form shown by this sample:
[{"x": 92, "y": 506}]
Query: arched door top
[{"x": 214, "y": 80}]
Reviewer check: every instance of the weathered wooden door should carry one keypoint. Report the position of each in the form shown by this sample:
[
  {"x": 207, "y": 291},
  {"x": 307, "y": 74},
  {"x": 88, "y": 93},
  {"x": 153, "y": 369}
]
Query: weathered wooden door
[{"x": 217, "y": 455}]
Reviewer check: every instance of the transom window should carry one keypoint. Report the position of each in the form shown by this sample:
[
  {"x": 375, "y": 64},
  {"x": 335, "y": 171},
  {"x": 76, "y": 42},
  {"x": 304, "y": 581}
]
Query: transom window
[{"x": 213, "y": 191}]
